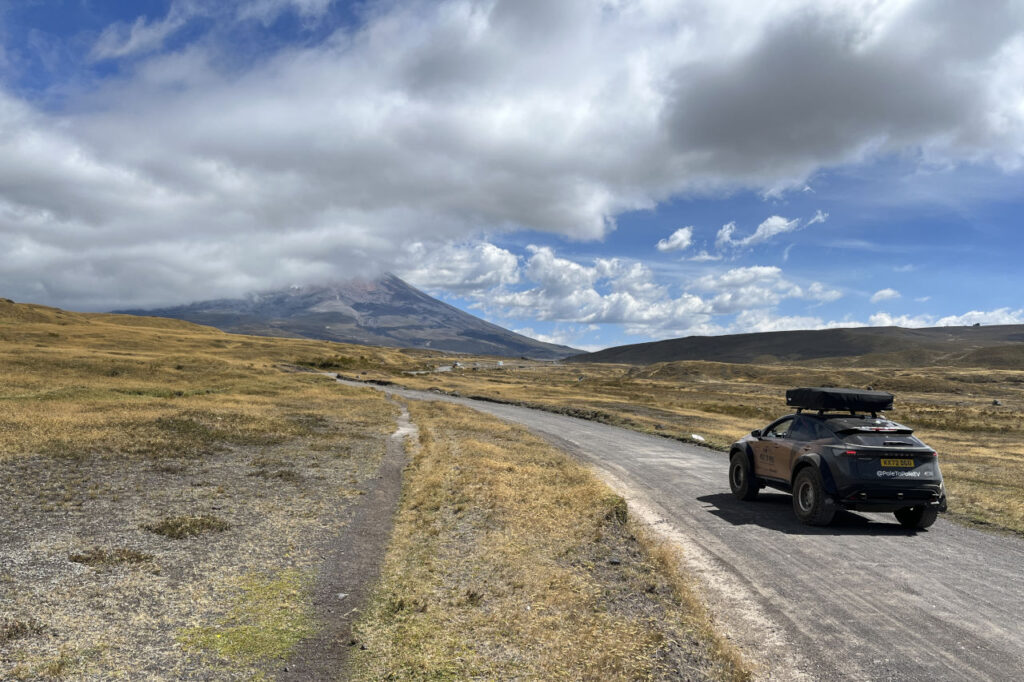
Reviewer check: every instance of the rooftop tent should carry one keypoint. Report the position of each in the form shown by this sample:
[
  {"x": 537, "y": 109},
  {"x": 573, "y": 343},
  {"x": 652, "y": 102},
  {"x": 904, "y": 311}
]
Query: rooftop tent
[{"x": 845, "y": 399}]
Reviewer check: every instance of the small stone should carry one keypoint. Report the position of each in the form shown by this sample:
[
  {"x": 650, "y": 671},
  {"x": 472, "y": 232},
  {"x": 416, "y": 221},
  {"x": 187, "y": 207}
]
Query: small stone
[
  {"x": 614, "y": 561},
  {"x": 342, "y": 595}
]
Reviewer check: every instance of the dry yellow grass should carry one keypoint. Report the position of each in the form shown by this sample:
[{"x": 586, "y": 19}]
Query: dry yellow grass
[
  {"x": 510, "y": 561},
  {"x": 165, "y": 485},
  {"x": 980, "y": 445}
]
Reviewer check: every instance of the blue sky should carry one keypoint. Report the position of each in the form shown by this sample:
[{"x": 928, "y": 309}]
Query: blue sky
[{"x": 801, "y": 165}]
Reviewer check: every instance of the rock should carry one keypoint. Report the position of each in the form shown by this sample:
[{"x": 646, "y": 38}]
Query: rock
[{"x": 996, "y": 402}]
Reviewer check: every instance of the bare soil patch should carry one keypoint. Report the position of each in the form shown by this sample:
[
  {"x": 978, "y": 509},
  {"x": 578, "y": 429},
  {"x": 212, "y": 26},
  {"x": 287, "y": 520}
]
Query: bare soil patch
[{"x": 351, "y": 567}]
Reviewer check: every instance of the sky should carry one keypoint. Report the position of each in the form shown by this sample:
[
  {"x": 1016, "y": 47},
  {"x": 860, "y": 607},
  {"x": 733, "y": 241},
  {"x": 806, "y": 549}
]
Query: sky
[{"x": 588, "y": 172}]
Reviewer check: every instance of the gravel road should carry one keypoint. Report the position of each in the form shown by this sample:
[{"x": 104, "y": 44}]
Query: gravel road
[{"x": 861, "y": 599}]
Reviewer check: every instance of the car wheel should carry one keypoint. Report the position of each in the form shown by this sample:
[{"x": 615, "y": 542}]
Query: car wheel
[
  {"x": 916, "y": 517},
  {"x": 741, "y": 480},
  {"x": 809, "y": 500}
]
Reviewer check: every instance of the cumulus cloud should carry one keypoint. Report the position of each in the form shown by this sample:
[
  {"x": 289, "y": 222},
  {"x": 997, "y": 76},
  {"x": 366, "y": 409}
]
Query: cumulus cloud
[
  {"x": 759, "y": 286},
  {"x": 884, "y": 295},
  {"x": 194, "y": 172},
  {"x": 769, "y": 321},
  {"x": 610, "y": 291},
  {"x": 985, "y": 317},
  {"x": 459, "y": 268},
  {"x": 679, "y": 240},
  {"x": 580, "y": 297},
  {"x": 622, "y": 292}
]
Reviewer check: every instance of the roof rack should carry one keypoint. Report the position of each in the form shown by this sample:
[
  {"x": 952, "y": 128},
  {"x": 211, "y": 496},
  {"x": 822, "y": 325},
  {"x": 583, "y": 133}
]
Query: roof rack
[{"x": 846, "y": 399}]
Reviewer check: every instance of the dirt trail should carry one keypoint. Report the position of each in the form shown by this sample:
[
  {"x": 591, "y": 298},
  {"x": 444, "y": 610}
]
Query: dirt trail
[{"x": 351, "y": 566}]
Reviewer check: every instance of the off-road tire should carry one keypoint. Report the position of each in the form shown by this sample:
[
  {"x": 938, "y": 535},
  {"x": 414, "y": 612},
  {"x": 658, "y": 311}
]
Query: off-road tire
[
  {"x": 809, "y": 498},
  {"x": 916, "y": 517},
  {"x": 741, "y": 479}
]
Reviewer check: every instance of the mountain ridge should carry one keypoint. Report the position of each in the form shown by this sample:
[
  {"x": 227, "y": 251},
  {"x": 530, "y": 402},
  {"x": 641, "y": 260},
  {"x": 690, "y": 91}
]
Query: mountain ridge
[
  {"x": 382, "y": 312},
  {"x": 994, "y": 345}
]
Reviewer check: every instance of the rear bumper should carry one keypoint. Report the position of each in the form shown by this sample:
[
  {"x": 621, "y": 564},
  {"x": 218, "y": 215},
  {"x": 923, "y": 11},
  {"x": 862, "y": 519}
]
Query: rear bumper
[{"x": 892, "y": 498}]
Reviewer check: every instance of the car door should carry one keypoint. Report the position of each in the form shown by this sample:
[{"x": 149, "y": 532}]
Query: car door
[{"x": 771, "y": 454}]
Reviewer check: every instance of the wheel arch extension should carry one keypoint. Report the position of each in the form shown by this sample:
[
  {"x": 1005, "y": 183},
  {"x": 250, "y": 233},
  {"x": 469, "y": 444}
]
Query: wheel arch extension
[
  {"x": 743, "y": 451},
  {"x": 813, "y": 459}
]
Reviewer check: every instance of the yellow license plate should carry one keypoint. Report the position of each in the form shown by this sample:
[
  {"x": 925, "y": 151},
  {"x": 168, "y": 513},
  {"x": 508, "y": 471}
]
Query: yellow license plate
[{"x": 908, "y": 463}]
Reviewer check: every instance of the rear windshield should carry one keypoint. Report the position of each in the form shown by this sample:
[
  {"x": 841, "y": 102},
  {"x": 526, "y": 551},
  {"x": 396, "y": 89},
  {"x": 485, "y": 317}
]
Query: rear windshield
[{"x": 903, "y": 440}]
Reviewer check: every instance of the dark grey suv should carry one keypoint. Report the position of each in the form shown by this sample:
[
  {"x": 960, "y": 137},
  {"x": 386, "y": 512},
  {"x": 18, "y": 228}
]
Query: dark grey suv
[{"x": 839, "y": 451}]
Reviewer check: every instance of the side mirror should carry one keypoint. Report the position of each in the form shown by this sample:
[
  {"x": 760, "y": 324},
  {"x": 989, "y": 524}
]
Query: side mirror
[{"x": 756, "y": 433}]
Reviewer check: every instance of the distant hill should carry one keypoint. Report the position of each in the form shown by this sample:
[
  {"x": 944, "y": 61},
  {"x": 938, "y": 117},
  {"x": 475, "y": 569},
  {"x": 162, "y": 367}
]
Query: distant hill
[
  {"x": 1000, "y": 346},
  {"x": 384, "y": 312}
]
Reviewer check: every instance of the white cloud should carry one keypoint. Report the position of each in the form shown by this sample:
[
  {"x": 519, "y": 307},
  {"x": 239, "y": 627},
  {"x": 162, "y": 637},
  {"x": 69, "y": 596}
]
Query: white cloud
[
  {"x": 884, "y": 295},
  {"x": 567, "y": 291},
  {"x": 679, "y": 240},
  {"x": 819, "y": 217},
  {"x": 459, "y": 268},
  {"x": 771, "y": 227},
  {"x": 750, "y": 321},
  {"x": 615, "y": 291},
  {"x": 819, "y": 292},
  {"x": 195, "y": 173},
  {"x": 882, "y": 319},
  {"x": 143, "y": 36},
  {"x": 266, "y": 11},
  {"x": 758, "y": 286},
  {"x": 743, "y": 288},
  {"x": 705, "y": 257},
  {"x": 724, "y": 236},
  {"x": 923, "y": 299},
  {"x": 998, "y": 316}
]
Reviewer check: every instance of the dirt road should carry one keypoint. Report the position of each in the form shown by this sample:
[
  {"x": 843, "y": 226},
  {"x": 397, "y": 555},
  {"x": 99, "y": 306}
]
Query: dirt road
[{"x": 861, "y": 599}]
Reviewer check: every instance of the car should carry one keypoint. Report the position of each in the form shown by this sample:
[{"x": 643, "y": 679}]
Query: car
[{"x": 839, "y": 451}]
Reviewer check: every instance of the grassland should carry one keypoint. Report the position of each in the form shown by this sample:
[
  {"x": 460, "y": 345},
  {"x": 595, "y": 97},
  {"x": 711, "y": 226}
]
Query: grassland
[
  {"x": 980, "y": 444},
  {"x": 167, "y": 491},
  {"x": 510, "y": 561},
  {"x": 164, "y": 488}
]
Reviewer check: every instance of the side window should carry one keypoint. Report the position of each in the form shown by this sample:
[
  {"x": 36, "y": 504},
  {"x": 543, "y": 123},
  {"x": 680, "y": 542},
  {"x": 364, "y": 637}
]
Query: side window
[
  {"x": 803, "y": 429},
  {"x": 779, "y": 430},
  {"x": 822, "y": 432}
]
